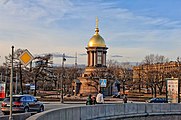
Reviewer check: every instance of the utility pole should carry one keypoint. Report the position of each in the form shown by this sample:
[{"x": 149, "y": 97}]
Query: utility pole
[
  {"x": 63, "y": 60},
  {"x": 11, "y": 85}
]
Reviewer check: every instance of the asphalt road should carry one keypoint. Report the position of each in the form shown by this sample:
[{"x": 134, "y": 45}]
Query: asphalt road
[
  {"x": 0, "y": 109},
  {"x": 55, "y": 105}
]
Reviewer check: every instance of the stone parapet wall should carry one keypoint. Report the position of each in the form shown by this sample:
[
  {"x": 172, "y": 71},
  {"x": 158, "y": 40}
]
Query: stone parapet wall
[
  {"x": 129, "y": 111},
  {"x": 20, "y": 116}
]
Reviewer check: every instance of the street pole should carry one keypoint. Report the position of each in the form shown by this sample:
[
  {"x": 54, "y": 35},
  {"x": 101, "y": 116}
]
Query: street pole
[
  {"x": 5, "y": 81},
  {"x": 63, "y": 60},
  {"x": 11, "y": 85},
  {"x": 155, "y": 89},
  {"x": 20, "y": 78},
  {"x": 123, "y": 87},
  {"x": 178, "y": 62},
  {"x": 16, "y": 86},
  {"x": 1, "y": 76}
]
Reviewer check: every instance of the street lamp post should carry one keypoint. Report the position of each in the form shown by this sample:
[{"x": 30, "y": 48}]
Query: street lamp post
[{"x": 63, "y": 60}]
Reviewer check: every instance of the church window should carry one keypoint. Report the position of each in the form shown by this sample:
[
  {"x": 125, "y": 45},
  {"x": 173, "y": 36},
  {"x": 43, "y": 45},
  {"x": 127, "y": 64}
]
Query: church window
[{"x": 99, "y": 57}]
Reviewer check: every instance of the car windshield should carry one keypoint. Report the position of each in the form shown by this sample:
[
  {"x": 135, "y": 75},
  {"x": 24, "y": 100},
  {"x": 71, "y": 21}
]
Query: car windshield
[{"x": 14, "y": 99}]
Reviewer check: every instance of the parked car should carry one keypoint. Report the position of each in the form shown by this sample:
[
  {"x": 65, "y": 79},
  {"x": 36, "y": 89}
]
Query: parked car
[
  {"x": 157, "y": 100},
  {"x": 22, "y": 103}
]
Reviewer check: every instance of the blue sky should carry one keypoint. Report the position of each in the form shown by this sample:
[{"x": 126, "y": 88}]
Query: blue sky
[{"x": 131, "y": 29}]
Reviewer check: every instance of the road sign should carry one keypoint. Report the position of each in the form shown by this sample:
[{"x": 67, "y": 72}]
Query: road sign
[
  {"x": 103, "y": 82},
  {"x": 26, "y": 57},
  {"x": 32, "y": 87}
]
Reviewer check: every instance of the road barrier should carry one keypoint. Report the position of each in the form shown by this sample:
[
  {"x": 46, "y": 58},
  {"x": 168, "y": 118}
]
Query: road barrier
[{"x": 135, "y": 111}]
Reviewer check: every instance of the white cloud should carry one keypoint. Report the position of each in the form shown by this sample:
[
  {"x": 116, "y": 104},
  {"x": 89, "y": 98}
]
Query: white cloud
[
  {"x": 64, "y": 25},
  {"x": 32, "y": 10}
]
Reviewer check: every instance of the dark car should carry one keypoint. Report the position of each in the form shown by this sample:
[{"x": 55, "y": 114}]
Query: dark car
[
  {"x": 22, "y": 103},
  {"x": 158, "y": 100}
]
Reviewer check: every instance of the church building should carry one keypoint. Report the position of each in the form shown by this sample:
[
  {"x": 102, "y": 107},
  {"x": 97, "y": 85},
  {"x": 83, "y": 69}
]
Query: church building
[{"x": 96, "y": 65}]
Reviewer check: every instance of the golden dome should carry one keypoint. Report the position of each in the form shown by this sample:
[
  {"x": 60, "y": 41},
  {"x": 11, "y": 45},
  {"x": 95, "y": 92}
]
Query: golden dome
[{"x": 96, "y": 40}]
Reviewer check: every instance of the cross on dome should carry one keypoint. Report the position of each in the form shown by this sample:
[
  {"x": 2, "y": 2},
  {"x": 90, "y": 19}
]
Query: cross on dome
[{"x": 97, "y": 21}]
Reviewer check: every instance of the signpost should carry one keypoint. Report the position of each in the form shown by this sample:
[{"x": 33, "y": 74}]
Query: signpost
[
  {"x": 103, "y": 82},
  {"x": 11, "y": 84},
  {"x": 32, "y": 87},
  {"x": 26, "y": 57}
]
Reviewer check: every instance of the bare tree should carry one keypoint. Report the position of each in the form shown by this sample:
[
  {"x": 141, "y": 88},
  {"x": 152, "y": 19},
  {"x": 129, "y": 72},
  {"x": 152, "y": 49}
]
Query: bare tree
[
  {"x": 154, "y": 73},
  {"x": 122, "y": 72},
  {"x": 41, "y": 69},
  {"x": 151, "y": 59},
  {"x": 71, "y": 73}
]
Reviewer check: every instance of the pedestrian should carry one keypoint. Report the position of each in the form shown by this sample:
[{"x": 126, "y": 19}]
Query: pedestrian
[
  {"x": 124, "y": 98},
  {"x": 118, "y": 95},
  {"x": 73, "y": 92},
  {"x": 89, "y": 100},
  {"x": 99, "y": 98},
  {"x": 93, "y": 100}
]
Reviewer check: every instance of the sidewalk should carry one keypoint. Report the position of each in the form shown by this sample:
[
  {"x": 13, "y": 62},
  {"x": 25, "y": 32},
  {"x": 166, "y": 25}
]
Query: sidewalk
[{"x": 79, "y": 100}]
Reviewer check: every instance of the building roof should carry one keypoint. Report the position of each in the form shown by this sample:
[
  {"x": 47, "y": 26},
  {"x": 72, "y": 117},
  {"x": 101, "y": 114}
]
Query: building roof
[{"x": 96, "y": 40}]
